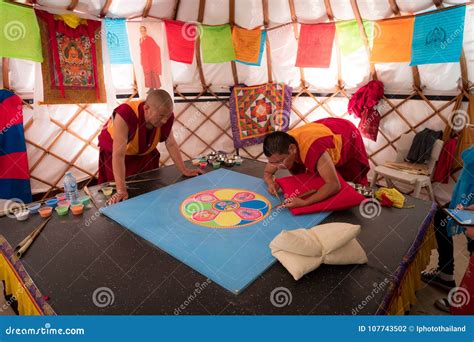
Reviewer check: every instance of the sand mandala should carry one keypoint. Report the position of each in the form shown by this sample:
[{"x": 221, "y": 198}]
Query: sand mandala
[{"x": 225, "y": 208}]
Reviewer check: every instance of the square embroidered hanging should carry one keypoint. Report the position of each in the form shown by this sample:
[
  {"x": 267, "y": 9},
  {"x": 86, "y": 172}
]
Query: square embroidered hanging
[
  {"x": 72, "y": 70},
  {"x": 258, "y": 110}
]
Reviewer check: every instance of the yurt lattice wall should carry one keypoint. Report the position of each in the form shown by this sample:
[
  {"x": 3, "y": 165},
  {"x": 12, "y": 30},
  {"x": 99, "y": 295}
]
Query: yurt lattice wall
[{"x": 64, "y": 137}]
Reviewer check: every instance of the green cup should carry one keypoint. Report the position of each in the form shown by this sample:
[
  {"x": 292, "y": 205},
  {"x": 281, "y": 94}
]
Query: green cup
[{"x": 62, "y": 210}]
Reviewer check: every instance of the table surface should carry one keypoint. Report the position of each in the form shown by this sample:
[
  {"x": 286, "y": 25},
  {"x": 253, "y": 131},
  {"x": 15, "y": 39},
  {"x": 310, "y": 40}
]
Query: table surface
[{"x": 75, "y": 255}]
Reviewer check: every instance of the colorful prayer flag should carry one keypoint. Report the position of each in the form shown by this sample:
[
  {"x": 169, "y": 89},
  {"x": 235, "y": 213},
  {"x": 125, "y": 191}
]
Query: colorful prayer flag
[
  {"x": 117, "y": 41},
  {"x": 437, "y": 37},
  {"x": 19, "y": 33},
  {"x": 315, "y": 45},
  {"x": 348, "y": 35},
  {"x": 392, "y": 41},
  {"x": 248, "y": 45},
  {"x": 216, "y": 43},
  {"x": 181, "y": 37}
]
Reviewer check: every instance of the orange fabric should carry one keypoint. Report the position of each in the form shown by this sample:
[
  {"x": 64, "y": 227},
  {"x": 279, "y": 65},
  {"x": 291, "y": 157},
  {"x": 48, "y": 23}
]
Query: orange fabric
[
  {"x": 307, "y": 134},
  {"x": 392, "y": 40},
  {"x": 246, "y": 44},
  {"x": 133, "y": 145}
]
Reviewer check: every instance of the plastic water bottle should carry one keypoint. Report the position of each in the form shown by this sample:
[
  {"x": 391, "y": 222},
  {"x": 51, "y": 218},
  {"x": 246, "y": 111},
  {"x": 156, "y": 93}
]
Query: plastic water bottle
[{"x": 70, "y": 187}]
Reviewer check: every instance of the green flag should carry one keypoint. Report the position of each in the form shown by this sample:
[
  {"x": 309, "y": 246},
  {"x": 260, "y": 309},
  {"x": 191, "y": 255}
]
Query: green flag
[
  {"x": 216, "y": 43},
  {"x": 19, "y": 33},
  {"x": 348, "y": 35}
]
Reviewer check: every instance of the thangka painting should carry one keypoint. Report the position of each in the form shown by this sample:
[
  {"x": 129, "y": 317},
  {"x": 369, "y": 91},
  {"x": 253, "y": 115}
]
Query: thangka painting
[
  {"x": 72, "y": 69},
  {"x": 150, "y": 56},
  {"x": 258, "y": 110}
]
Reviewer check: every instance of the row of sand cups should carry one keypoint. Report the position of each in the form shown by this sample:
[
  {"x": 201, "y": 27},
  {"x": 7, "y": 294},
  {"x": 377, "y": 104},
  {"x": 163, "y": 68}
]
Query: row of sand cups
[
  {"x": 60, "y": 204},
  {"x": 216, "y": 159}
]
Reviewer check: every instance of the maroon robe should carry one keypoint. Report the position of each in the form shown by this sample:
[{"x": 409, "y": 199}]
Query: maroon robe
[{"x": 133, "y": 163}]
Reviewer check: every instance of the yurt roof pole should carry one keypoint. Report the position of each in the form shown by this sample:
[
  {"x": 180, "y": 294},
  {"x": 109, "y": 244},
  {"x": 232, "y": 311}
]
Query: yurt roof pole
[
  {"x": 147, "y": 8},
  {"x": 202, "y": 6},
  {"x": 330, "y": 15},
  {"x": 176, "y": 10},
  {"x": 414, "y": 69},
  {"x": 363, "y": 34},
  {"x": 105, "y": 9},
  {"x": 232, "y": 23},
  {"x": 294, "y": 19},
  {"x": 72, "y": 5},
  {"x": 266, "y": 20}
]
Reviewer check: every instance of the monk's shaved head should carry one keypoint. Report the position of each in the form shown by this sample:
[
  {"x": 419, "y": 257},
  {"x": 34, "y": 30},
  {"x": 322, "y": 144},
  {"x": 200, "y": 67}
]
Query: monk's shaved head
[
  {"x": 158, "y": 107},
  {"x": 159, "y": 99}
]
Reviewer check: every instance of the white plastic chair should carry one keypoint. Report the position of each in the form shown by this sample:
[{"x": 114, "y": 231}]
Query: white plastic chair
[{"x": 417, "y": 181}]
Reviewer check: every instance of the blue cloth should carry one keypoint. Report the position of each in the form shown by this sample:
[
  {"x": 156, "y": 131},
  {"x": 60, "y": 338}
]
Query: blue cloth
[
  {"x": 437, "y": 37},
  {"x": 260, "y": 54},
  {"x": 16, "y": 188},
  {"x": 14, "y": 173},
  {"x": 10, "y": 142},
  {"x": 464, "y": 191},
  {"x": 117, "y": 41},
  {"x": 231, "y": 257}
]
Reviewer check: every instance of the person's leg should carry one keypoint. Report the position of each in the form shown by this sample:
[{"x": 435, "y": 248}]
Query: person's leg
[{"x": 443, "y": 275}]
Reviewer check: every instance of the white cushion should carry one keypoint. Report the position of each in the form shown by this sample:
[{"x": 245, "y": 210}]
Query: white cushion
[{"x": 303, "y": 250}]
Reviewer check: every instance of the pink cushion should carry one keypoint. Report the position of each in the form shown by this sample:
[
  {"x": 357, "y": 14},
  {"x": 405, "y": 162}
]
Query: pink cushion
[{"x": 297, "y": 185}]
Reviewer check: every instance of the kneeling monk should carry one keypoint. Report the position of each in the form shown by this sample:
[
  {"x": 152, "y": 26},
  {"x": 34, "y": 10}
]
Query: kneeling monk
[
  {"x": 323, "y": 147},
  {"x": 129, "y": 138}
]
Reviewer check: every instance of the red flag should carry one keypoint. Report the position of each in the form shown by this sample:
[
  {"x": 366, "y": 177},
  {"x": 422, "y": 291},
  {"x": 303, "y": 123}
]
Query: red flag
[
  {"x": 315, "y": 45},
  {"x": 181, "y": 37}
]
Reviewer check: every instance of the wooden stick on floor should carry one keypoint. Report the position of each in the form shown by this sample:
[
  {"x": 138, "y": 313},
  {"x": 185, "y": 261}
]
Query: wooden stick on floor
[
  {"x": 88, "y": 193},
  {"x": 26, "y": 242}
]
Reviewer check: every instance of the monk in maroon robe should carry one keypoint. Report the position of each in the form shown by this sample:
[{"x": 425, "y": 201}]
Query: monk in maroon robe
[
  {"x": 150, "y": 55},
  {"x": 129, "y": 139}
]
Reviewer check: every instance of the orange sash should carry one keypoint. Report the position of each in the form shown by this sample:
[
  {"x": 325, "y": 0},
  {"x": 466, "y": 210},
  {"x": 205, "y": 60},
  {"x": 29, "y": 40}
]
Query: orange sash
[
  {"x": 307, "y": 134},
  {"x": 133, "y": 146}
]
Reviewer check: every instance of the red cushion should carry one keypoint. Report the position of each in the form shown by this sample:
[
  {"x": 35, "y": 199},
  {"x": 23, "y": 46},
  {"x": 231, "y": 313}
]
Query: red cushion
[{"x": 346, "y": 198}]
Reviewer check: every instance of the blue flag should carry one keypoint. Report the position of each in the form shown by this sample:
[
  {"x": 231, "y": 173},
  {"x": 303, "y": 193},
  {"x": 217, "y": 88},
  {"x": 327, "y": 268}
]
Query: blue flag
[
  {"x": 437, "y": 37},
  {"x": 117, "y": 41}
]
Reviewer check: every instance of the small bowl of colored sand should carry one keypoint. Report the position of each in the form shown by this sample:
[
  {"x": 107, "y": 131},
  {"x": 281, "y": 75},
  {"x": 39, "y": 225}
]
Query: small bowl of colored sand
[
  {"x": 64, "y": 203},
  {"x": 203, "y": 159},
  {"x": 45, "y": 211},
  {"x": 216, "y": 165},
  {"x": 196, "y": 162},
  {"x": 203, "y": 165},
  {"x": 86, "y": 200},
  {"x": 22, "y": 214},
  {"x": 229, "y": 162},
  {"x": 61, "y": 197},
  {"x": 77, "y": 209},
  {"x": 33, "y": 208},
  {"x": 62, "y": 210},
  {"x": 52, "y": 202},
  {"x": 107, "y": 191}
]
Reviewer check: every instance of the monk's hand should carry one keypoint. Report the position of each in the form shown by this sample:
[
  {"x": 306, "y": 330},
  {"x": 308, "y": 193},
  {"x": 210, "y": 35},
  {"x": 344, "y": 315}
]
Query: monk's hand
[
  {"x": 293, "y": 202},
  {"x": 117, "y": 197},
  {"x": 192, "y": 172},
  {"x": 273, "y": 188},
  {"x": 470, "y": 233}
]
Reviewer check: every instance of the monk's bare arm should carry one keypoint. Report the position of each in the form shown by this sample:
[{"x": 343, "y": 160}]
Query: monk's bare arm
[
  {"x": 118, "y": 153},
  {"x": 268, "y": 177},
  {"x": 175, "y": 154}
]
